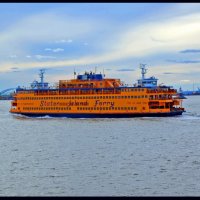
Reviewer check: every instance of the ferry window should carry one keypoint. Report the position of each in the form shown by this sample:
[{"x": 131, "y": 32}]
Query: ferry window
[
  {"x": 125, "y": 97},
  {"x": 113, "y": 97},
  {"x": 97, "y": 108},
  {"x": 100, "y": 97},
  {"x": 122, "y": 108},
  {"x": 103, "y": 97},
  {"x": 138, "y": 90},
  {"x": 129, "y": 97},
  {"x": 118, "y": 108},
  {"x": 106, "y": 108},
  {"x": 143, "y": 108},
  {"x": 103, "y": 108},
  {"x": 129, "y": 108},
  {"x": 100, "y": 108}
]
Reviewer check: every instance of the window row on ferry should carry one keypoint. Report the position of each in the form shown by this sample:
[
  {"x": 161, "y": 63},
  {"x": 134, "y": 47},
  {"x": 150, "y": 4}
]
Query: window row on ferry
[
  {"x": 46, "y": 108},
  {"x": 83, "y": 97},
  {"x": 108, "y": 108}
]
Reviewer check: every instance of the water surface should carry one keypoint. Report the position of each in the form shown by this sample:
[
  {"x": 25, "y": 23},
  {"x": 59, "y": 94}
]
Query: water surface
[{"x": 100, "y": 157}]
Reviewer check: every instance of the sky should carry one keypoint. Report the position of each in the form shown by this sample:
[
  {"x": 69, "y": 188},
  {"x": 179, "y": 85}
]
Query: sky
[{"x": 114, "y": 38}]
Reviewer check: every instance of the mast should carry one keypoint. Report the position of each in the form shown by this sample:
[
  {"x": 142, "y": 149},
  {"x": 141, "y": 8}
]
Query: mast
[
  {"x": 144, "y": 70},
  {"x": 41, "y": 74}
]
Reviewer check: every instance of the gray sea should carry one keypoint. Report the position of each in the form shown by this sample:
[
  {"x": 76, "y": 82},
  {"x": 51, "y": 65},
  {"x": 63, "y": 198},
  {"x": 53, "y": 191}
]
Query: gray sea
[{"x": 100, "y": 157}]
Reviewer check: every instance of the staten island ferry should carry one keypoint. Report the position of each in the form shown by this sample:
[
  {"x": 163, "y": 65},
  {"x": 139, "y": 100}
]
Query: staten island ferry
[{"x": 92, "y": 95}]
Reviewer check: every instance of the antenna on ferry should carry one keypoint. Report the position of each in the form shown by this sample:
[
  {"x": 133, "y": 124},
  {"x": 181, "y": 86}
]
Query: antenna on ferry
[
  {"x": 95, "y": 70},
  {"x": 103, "y": 72},
  {"x": 144, "y": 70},
  {"x": 74, "y": 73},
  {"x": 41, "y": 74}
]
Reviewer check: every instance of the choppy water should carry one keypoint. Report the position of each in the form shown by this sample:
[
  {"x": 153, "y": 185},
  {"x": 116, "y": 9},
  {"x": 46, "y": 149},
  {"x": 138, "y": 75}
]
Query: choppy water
[{"x": 100, "y": 157}]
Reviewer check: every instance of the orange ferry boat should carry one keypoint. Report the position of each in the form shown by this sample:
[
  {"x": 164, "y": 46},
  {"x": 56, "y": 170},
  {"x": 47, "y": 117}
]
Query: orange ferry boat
[{"x": 92, "y": 95}]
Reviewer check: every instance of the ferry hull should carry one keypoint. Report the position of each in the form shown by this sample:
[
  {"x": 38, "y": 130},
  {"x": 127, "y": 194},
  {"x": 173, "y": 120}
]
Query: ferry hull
[{"x": 91, "y": 115}]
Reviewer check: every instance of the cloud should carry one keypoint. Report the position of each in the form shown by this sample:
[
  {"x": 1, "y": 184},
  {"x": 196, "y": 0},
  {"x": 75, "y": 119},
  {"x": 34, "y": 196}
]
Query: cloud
[
  {"x": 44, "y": 57},
  {"x": 85, "y": 43},
  {"x": 35, "y": 29},
  {"x": 28, "y": 56},
  {"x": 12, "y": 56},
  {"x": 175, "y": 33},
  {"x": 64, "y": 41},
  {"x": 185, "y": 81},
  {"x": 16, "y": 71},
  {"x": 190, "y": 51},
  {"x": 184, "y": 61},
  {"x": 168, "y": 73},
  {"x": 14, "y": 68},
  {"x": 48, "y": 49},
  {"x": 54, "y": 50},
  {"x": 125, "y": 70}
]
